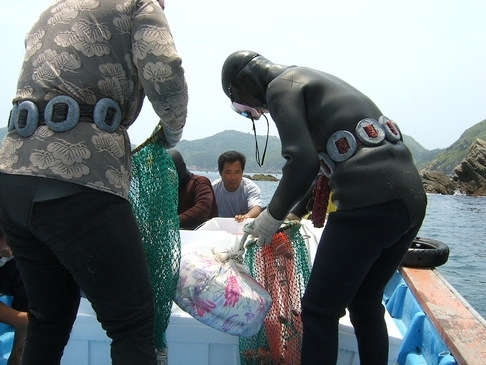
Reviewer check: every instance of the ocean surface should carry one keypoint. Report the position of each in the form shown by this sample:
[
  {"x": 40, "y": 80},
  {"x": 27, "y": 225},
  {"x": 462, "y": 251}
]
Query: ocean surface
[{"x": 459, "y": 222}]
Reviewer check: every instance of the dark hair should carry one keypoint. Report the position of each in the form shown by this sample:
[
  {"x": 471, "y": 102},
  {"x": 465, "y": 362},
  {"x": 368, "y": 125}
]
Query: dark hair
[{"x": 231, "y": 156}]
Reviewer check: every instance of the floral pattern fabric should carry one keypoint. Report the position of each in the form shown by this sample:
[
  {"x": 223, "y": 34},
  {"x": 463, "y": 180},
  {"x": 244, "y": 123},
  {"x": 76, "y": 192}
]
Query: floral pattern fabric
[
  {"x": 221, "y": 294},
  {"x": 90, "y": 50}
]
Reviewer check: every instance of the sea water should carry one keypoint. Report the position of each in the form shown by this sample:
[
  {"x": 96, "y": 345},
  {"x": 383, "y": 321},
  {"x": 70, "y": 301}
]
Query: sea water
[{"x": 457, "y": 221}]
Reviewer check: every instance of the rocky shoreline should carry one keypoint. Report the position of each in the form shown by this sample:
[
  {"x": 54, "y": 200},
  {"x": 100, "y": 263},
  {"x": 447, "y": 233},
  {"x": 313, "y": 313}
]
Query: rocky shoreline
[
  {"x": 469, "y": 177},
  {"x": 262, "y": 177}
]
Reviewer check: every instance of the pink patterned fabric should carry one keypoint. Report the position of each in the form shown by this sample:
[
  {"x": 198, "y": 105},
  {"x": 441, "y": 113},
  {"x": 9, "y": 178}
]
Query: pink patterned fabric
[{"x": 221, "y": 294}]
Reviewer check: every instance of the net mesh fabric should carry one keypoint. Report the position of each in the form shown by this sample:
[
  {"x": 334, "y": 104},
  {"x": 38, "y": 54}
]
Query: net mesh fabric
[
  {"x": 283, "y": 268},
  {"x": 153, "y": 194}
]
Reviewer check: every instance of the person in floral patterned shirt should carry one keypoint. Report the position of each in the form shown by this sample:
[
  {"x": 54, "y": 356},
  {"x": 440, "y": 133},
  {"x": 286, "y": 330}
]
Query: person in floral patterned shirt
[{"x": 65, "y": 168}]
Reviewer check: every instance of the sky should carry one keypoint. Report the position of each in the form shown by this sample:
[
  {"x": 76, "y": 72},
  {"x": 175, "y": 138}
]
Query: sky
[{"x": 423, "y": 62}]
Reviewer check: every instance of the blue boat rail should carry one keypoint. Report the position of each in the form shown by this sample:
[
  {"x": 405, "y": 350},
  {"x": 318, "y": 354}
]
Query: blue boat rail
[{"x": 438, "y": 325}]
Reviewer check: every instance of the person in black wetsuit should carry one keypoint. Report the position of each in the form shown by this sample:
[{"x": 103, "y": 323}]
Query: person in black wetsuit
[{"x": 326, "y": 125}]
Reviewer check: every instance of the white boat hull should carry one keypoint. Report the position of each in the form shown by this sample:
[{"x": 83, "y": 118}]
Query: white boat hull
[{"x": 192, "y": 342}]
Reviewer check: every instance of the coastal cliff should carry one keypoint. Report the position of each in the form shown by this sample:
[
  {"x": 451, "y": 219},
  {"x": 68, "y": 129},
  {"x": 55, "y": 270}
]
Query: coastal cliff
[
  {"x": 470, "y": 174},
  {"x": 468, "y": 178}
]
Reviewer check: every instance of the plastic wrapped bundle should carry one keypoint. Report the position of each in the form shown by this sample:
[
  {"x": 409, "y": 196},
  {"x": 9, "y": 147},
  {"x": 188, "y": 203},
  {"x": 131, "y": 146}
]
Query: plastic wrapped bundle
[{"x": 216, "y": 289}]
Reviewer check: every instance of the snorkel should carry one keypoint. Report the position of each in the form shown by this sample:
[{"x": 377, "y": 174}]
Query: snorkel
[{"x": 253, "y": 114}]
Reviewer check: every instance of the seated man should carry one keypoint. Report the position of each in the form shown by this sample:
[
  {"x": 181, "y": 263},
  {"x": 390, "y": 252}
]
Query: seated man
[
  {"x": 197, "y": 203},
  {"x": 16, "y": 316},
  {"x": 236, "y": 196}
]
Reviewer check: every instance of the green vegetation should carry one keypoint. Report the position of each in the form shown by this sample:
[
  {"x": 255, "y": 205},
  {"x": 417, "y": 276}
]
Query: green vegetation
[
  {"x": 449, "y": 158},
  {"x": 421, "y": 156},
  {"x": 202, "y": 154},
  {"x": 262, "y": 177}
]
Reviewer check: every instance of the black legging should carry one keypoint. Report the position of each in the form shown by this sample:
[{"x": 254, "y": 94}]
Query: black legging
[
  {"x": 88, "y": 240},
  {"x": 358, "y": 253}
]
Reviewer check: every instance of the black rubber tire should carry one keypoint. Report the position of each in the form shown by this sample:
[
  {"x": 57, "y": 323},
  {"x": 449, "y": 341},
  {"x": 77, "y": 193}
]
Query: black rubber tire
[{"x": 426, "y": 253}]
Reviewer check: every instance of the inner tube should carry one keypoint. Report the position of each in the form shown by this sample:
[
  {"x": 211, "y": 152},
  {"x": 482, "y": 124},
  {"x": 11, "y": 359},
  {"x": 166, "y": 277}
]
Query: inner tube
[{"x": 426, "y": 253}]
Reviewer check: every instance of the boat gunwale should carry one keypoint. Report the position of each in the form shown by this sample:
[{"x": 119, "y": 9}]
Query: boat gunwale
[{"x": 461, "y": 327}]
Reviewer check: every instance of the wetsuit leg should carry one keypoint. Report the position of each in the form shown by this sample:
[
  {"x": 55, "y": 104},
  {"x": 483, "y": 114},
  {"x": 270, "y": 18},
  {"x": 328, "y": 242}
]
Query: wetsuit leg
[
  {"x": 366, "y": 309},
  {"x": 89, "y": 240},
  {"x": 106, "y": 259},
  {"x": 351, "y": 244}
]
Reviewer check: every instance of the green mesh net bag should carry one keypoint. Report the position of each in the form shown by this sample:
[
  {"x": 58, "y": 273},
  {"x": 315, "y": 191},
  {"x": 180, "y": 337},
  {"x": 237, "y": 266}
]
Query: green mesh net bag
[
  {"x": 153, "y": 194},
  {"x": 283, "y": 268}
]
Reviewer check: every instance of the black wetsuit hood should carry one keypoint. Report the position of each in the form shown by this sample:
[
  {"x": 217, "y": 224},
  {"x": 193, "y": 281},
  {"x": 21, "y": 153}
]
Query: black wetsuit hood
[
  {"x": 232, "y": 67},
  {"x": 244, "y": 78}
]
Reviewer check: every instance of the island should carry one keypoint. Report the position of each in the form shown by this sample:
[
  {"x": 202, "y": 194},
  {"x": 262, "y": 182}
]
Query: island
[{"x": 262, "y": 177}]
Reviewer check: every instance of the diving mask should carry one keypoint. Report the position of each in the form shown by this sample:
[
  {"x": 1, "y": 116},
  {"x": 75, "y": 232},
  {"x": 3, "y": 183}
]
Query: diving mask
[{"x": 246, "y": 111}]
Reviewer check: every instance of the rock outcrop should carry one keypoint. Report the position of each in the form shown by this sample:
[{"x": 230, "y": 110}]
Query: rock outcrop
[
  {"x": 436, "y": 182},
  {"x": 469, "y": 176}
]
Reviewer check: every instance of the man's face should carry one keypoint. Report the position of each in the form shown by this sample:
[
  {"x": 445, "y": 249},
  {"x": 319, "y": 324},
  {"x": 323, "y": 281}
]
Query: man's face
[{"x": 232, "y": 174}]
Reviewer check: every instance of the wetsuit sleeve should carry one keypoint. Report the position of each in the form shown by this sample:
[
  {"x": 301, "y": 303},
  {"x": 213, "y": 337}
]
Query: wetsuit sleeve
[
  {"x": 302, "y": 207},
  {"x": 287, "y": 108},
  {"x": 159, "y": 66}
]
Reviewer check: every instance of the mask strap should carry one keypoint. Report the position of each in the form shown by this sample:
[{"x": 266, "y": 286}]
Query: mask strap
[{"x": 257, "y": 151}]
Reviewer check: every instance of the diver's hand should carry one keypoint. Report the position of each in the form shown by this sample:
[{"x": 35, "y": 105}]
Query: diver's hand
[{"x": 263, "y": 228}]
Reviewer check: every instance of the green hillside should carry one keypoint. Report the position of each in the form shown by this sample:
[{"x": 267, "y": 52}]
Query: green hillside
[
  {"x": 421, "y": 156},
  {"x": 449, "y": 158},
  {"x": 202, "y": 154}
]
